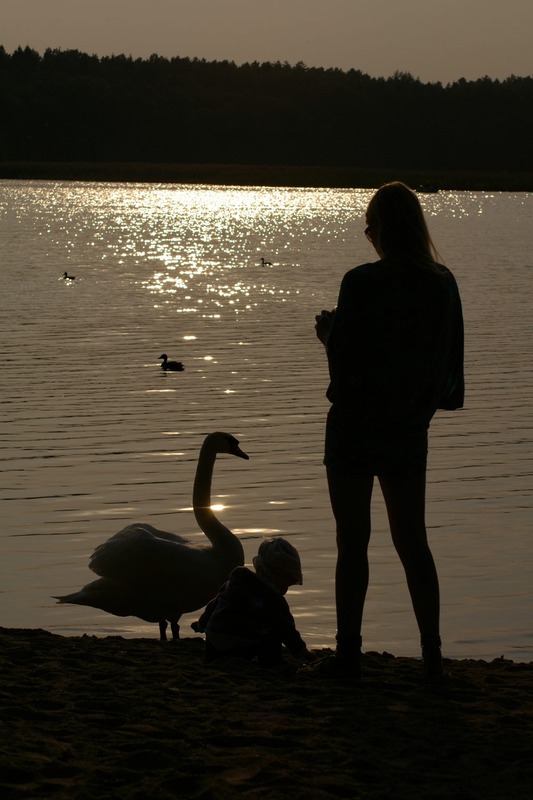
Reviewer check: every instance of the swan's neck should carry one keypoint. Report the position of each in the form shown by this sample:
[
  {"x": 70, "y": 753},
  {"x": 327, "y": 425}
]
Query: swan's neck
[{"x": 217, "y": 533}]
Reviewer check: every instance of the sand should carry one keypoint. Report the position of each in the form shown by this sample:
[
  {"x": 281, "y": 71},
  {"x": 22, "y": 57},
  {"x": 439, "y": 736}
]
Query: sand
[{"x": 88, "y": 717}]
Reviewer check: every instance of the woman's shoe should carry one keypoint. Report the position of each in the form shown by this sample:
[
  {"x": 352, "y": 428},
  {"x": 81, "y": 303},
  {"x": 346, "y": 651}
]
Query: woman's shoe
[
  {"x": 432, "y": 657},
  {"x": 344, "y": 664}
]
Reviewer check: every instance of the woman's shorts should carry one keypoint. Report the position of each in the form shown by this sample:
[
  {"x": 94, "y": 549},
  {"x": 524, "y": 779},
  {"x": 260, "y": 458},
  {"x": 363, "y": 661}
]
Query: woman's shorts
[{"x": 358, "y": 449}]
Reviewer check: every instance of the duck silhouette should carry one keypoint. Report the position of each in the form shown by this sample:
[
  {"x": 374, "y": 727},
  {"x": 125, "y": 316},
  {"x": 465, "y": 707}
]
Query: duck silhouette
[
  {"x": 265, "y": 263},
  {"x": 67, "y": 277},
  {"x": 173, "y": 366},
  {"x": 158, "y": 576}
]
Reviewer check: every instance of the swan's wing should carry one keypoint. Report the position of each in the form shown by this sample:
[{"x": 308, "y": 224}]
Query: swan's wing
[
  {"x": 170, "y": 537},
  {"x": 137, "y": 554}
]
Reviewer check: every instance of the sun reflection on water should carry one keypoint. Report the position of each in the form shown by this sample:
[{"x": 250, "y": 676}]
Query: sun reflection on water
[{"x": 208, "y": 248}]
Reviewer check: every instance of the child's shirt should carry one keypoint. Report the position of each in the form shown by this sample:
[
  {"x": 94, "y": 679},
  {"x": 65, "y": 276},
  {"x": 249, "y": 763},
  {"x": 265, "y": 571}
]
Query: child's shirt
[{"x": 247, "y": 609}]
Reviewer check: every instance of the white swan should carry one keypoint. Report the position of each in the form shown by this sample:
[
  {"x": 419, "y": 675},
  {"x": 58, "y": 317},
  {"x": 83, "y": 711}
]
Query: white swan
[
  {"x": 158, "y": 576},
  {"x": 175, "y": 366}
]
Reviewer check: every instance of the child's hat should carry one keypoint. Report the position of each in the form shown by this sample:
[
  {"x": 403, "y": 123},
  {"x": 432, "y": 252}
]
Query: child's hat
[{"x": 278, "y": 555}]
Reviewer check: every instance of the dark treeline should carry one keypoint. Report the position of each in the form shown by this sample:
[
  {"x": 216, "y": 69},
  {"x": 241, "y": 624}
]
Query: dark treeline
[{"x": 67, "y": 106}]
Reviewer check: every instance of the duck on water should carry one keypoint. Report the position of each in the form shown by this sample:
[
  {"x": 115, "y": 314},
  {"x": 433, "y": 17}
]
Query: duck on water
[{"x": 173, "y": 366}]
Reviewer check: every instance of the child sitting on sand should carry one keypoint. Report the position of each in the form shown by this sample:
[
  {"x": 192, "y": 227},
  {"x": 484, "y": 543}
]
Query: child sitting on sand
[{"x": 250, "y": 617}]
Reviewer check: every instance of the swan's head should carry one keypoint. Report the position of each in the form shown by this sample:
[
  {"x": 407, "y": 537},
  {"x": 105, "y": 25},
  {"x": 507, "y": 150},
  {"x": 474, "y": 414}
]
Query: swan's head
[
  {"x": 164, "y": 356},
  {"x": 224, "y": 443}
]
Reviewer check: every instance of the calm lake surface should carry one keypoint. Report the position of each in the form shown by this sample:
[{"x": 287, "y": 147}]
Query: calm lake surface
[{"x": 95, "y": 436}]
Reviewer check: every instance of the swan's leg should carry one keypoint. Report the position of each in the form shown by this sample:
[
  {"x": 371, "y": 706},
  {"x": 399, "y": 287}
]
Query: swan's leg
[
  {"x": 163, "y": 630},
  {"x": 175, "y": 628}
]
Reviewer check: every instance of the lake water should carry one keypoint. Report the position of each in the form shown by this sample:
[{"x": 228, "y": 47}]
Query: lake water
[{"x": 95, "y": 436}]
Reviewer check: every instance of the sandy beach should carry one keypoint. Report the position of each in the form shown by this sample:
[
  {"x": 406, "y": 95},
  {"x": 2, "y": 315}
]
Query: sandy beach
[{"x": 86, "y": 717}]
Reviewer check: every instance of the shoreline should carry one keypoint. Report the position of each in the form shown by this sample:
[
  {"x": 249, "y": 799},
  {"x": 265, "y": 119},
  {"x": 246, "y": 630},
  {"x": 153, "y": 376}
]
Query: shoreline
[
  {"x": 263, "y": 175},
  {"x": 118, "y": 718}
]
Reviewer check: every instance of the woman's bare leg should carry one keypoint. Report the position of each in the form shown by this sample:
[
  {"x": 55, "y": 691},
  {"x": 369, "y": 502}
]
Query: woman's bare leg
[
  {"x": 350, "y": 501},
  {"x": 405, "y": 498}
]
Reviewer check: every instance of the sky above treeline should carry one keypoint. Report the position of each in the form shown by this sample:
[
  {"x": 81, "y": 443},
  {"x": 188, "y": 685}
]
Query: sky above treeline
[{"x": 434, "y": 40}]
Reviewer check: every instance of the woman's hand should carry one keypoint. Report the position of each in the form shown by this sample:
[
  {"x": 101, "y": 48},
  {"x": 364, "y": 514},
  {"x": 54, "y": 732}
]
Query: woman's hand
[{"x": 324, "y": 322}]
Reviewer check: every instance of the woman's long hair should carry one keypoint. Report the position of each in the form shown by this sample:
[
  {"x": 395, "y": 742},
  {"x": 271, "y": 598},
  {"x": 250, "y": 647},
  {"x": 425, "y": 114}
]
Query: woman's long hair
[{"x": 397, "y": 228}]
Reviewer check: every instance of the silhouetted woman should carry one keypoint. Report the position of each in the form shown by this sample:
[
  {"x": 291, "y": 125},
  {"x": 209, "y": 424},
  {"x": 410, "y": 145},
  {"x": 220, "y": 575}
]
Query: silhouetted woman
[{"x": 395, "y": 355}]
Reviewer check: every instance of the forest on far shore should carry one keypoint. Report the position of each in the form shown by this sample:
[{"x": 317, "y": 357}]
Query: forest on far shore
[{"x": 136, "y": 118}]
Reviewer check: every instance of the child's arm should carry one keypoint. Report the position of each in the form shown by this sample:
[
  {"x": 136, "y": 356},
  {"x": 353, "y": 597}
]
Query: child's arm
[
  {"x": 282, "y": 621},
  {"x": 201, "y": 624}
]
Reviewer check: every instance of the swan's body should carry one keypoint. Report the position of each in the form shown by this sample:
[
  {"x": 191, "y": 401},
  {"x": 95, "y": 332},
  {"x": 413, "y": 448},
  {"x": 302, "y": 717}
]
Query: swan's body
[
  {"x": 175, "y": 366},
  {"x": 67, "y": 277},
  {"x": 158, "y": 576}
]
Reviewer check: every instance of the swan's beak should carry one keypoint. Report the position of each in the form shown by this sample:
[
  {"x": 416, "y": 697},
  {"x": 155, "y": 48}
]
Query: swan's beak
[{"x": 238, "y": 452}]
